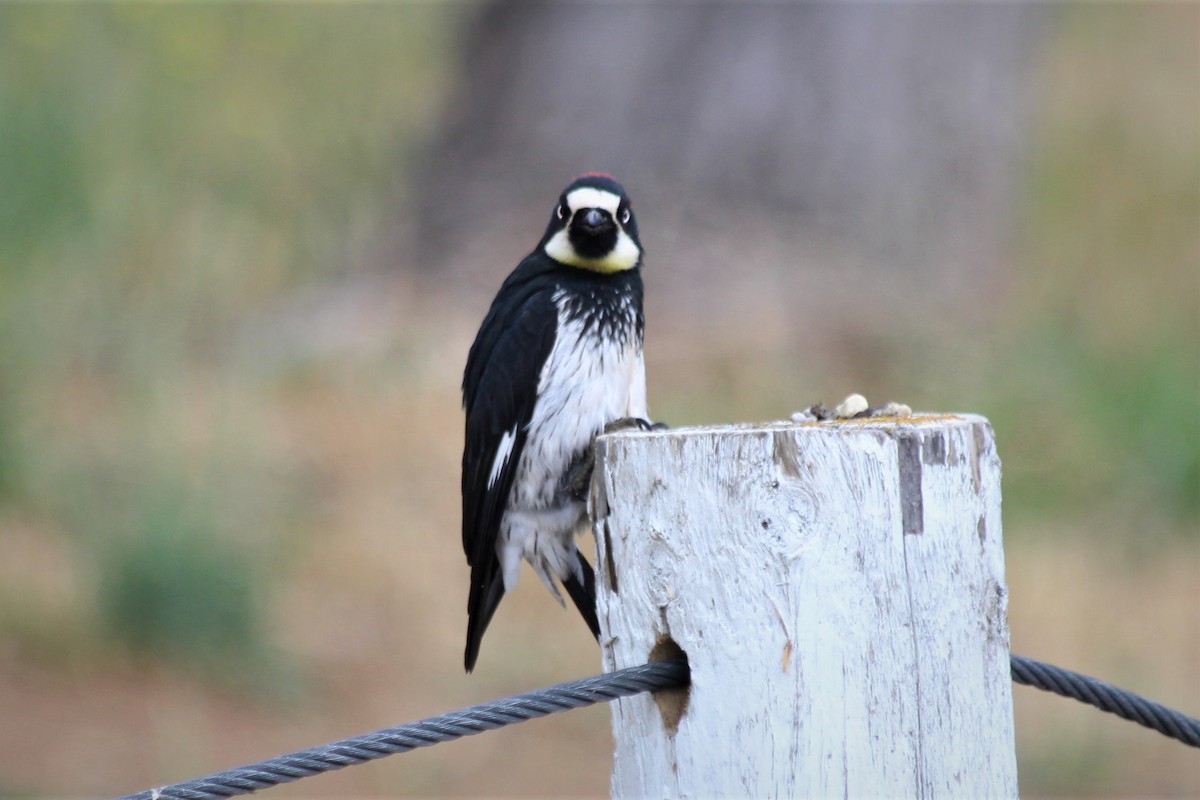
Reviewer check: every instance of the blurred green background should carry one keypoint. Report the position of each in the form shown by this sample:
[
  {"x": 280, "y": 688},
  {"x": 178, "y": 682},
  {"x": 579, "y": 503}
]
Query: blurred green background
[{"x": 230, "y": 431}]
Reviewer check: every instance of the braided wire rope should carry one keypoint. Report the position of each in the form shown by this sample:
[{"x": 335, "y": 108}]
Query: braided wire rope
[
  {"x": 601, "y": 689},
  {"x": 432, "y": 730},
  {"x": 1106, "y": 697}
]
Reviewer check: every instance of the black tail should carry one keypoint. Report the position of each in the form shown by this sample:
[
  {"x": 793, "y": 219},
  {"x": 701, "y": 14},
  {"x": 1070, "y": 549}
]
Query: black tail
[
  {"x": 481, "y": 605},
  {"x": 583, "y": 595},
  {"x": 485, "y": 598}
]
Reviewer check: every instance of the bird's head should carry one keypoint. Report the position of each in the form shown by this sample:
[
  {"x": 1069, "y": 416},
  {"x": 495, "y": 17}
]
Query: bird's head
[{"x": 593, "y": 227}]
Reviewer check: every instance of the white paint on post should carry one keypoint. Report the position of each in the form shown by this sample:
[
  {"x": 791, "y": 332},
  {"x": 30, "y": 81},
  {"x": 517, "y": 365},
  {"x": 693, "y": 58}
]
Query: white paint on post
[{"x": 838, "y": 589}]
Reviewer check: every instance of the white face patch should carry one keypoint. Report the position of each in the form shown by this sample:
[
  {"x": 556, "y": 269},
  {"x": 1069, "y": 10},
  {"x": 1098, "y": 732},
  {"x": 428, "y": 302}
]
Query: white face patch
[
  {"x": 587, "y": 197},
  {"x": 625, "y": 253}
]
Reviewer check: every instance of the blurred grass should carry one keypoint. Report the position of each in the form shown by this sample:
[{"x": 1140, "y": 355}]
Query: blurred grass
[
  {"x": 178, "y": 496},
  {"x": 168, "y": 172},
  {"x": 1109, "y": 326},
  {"x": 172, "y": 591}
]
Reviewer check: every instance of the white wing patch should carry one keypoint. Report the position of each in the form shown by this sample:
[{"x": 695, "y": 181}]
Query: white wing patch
[{"x": 503, "y": 451}]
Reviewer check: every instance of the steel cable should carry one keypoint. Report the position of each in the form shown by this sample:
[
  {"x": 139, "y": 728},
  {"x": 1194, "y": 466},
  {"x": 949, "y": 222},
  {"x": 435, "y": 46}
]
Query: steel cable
[
  {"x": 442, "y": 728},
  {"x": 1106, "y": 697},
  {"x": 601, "y": 689}
]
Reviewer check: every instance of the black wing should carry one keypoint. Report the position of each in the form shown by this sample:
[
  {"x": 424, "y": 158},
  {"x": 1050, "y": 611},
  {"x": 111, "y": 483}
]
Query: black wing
[{"x": 499, "y": 393}]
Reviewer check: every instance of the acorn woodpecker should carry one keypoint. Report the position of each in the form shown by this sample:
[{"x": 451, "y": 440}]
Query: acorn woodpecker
[{"x": 557, "y": 359}]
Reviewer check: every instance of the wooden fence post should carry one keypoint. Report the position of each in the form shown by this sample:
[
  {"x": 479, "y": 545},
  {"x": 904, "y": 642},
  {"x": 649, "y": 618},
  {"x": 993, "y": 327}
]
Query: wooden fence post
[{"x": 838, "y": 590}]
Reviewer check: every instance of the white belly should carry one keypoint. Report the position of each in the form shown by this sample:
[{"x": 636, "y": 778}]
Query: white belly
[{"x": 586, "y": 383}]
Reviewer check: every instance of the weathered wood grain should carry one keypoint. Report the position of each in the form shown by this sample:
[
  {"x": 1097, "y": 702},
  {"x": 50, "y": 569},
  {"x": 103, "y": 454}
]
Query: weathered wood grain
[{"x": 839, "y": 592}]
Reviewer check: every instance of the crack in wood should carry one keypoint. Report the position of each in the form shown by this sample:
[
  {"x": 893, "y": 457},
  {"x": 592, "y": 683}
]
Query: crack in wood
[{"x": 912, "y": 509}]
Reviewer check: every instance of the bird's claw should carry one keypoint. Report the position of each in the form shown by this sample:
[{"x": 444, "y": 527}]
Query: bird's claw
[
  {"x": 579, "y": 476},
  {"x": 629, "y": 423}
]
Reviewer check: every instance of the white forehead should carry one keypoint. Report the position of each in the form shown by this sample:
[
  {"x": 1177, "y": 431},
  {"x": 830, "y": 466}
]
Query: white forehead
[{"x": 587, "y": 197}]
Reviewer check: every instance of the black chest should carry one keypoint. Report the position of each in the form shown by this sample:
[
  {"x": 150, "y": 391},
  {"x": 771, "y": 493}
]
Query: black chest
[{"x": 607, "y": 306}]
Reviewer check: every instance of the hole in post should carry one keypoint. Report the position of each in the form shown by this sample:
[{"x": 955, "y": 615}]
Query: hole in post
[{"x": 672, "y": 703}]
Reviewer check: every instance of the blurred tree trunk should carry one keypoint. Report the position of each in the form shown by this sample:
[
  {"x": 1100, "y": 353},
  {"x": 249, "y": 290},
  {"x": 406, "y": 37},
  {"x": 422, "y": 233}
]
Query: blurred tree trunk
[{"x": 877, "y": 141}]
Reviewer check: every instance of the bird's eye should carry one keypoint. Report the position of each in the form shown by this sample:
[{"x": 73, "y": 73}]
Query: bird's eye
[
  {"x": 624, "y": 215},
  {"x": 562, "y": 211}
]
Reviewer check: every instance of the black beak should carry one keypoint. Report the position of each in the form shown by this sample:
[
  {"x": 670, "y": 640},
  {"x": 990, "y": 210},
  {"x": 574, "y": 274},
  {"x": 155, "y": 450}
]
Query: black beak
[
  {"x": 593, "y": 233},
  {"x": 594, "y": 221}
]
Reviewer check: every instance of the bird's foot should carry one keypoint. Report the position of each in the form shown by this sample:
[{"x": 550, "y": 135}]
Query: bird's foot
[
  {"x": 629, "y": 423},
  {"x": 579, "y": 476}
]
